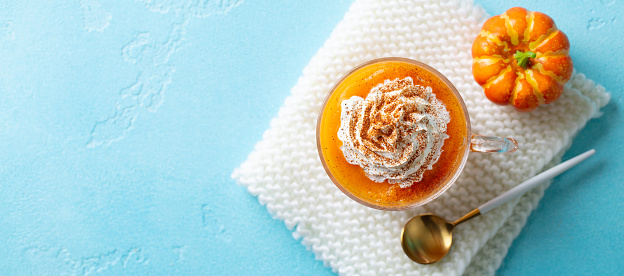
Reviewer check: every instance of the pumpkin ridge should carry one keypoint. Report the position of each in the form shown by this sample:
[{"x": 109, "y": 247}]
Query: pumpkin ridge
[
  {"x": 489, "y": 67},
  {"x": 530, "y": 23},
  {"x": 492, "y": 58},
  {"x": 494, "y": 39},
  {"x": 538, "y": 94},
  {"x": 541, "y": 70},
  {"x": 559, "y": 53},
  {"x": 500, "y": 75},
  {"x": 514, "y": 92},
  {"x": 513, "y": 35},
  {"x": 544, "y": 38}
]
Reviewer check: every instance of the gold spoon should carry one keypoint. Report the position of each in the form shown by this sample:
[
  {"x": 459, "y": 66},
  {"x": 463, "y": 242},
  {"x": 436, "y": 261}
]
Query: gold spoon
[{"x": 427, "y": 238}]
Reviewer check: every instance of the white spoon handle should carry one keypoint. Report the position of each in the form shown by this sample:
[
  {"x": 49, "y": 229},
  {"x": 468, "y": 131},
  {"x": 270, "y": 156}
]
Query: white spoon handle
[{"x": 531, "y": 183}]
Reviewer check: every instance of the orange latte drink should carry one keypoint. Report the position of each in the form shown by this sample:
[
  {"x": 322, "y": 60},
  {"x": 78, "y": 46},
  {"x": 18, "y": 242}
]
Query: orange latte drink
[{"x": 377, "y": 138}]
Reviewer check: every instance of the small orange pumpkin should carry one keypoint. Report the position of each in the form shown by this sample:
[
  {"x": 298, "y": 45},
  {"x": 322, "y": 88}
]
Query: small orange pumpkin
[{"x": 521, "y": 58}]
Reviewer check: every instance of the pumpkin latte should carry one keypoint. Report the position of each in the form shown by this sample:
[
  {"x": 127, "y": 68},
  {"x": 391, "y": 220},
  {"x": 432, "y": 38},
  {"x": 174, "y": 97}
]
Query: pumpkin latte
[{"x": 402, "y": 159}]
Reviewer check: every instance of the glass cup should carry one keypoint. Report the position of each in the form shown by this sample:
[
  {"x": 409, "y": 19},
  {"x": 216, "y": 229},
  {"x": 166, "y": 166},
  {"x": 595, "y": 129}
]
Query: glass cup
[{"x": 352, "y": 180}]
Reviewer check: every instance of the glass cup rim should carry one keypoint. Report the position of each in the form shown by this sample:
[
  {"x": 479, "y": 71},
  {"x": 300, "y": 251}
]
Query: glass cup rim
[{"x": 449, "y": 182}]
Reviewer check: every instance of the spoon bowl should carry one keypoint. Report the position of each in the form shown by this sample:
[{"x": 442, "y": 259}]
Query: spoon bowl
[
  {"x": 427, "y": 238},
  {"x": 432, "y": 236}
]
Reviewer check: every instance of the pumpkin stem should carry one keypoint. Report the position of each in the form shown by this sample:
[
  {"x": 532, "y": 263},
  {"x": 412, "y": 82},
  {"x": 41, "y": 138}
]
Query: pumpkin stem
[{"x": 523, "y": 58}]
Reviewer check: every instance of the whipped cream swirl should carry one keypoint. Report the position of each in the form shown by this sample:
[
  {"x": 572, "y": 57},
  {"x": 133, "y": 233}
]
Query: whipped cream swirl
[{"x": 396, "y": 133}]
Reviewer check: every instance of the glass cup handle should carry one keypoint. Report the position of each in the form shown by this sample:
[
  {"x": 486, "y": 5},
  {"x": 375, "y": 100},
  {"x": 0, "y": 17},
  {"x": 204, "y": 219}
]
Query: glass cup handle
[{"x": 482, "y": 143}]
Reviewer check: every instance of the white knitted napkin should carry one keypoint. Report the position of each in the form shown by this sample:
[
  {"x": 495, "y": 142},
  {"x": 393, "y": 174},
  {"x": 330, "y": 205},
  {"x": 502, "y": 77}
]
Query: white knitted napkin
[{"x": 285, "y": 172}]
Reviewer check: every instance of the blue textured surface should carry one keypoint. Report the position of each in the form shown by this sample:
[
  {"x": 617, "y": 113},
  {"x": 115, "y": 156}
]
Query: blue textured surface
[{"x": 121, "y": 121}]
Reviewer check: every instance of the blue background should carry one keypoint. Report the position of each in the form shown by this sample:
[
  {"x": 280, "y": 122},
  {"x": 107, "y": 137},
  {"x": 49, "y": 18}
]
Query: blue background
[{"x": 121, "y": 122}]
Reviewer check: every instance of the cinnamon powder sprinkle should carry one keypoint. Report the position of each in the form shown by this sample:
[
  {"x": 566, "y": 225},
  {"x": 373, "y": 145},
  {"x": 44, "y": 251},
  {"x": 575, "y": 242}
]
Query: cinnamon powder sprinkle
[{"x": 396, "y": 133}]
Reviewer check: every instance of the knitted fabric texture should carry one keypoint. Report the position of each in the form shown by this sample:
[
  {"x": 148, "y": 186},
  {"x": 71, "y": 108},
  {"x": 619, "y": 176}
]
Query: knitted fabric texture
[{"x": 285, "y": 173}]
